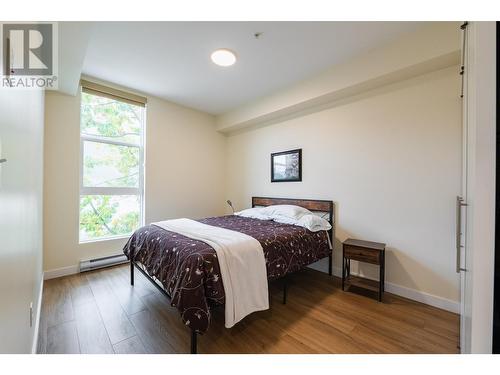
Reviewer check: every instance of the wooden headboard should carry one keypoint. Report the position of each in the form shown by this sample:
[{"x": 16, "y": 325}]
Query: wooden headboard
[{"x": 310, "y": 204}]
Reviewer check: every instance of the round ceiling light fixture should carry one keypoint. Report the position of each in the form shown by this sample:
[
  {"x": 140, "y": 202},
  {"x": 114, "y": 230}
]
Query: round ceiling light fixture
[{"x": 223, "y": 57}]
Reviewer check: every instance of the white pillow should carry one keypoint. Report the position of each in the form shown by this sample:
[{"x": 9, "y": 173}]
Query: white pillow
[
  {"x": 253, "y": 213},
  {"x": 284, "y": 220},
  {"x": 286, "y": 210},
  {"x": 314, "y": 223}
]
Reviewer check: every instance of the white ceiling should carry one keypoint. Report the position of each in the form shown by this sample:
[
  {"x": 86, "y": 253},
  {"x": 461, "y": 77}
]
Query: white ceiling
[{"x": 171, "y": 60}]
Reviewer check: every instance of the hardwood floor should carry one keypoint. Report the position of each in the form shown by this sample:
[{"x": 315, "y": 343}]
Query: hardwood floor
[{"x": 99, "y": 312}]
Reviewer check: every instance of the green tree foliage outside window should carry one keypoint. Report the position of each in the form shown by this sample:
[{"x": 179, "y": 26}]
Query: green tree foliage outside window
[{"x": 111, "y": 134}]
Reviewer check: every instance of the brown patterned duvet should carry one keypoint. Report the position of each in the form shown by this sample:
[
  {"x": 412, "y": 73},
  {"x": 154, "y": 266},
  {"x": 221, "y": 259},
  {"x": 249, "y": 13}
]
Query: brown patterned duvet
[{"x": 189, "y": 269}]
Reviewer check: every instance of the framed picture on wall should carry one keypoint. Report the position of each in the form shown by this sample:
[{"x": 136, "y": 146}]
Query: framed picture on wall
[{"x": 286, "y": 166}]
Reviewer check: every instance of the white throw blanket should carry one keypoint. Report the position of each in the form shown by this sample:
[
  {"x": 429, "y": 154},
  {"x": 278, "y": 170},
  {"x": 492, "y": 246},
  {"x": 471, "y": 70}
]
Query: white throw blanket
[{"x": 241, "y": 261}]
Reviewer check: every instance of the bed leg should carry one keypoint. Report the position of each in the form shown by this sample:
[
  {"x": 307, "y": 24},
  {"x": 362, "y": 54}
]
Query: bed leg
[
  {"x": 330, "y": 264},
  {"x": 131, "y": 268},
  {"x": 285, "y": 290},
  {"x": 194, "y": 342},
  {"x": 131, "y": 273}
]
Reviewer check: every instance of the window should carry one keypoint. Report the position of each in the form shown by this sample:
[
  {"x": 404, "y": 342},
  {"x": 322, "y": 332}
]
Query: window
[{"x": 111, "y": 169}]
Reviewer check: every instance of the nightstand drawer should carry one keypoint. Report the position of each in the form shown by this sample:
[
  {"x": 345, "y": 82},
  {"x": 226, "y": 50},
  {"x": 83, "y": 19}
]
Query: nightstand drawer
[{"x": 362, "y": 254}]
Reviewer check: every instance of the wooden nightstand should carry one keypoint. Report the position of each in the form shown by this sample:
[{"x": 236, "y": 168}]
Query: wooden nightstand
[{"x": 363, "y": 251}]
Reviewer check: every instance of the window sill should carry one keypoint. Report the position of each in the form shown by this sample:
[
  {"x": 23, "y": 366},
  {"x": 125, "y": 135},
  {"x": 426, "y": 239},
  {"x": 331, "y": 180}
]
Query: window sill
[{"x": 114, "y": 238}]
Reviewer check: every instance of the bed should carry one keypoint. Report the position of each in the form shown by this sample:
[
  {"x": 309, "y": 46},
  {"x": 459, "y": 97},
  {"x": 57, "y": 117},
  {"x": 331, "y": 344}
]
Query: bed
[{"x": 187, "y": 270}]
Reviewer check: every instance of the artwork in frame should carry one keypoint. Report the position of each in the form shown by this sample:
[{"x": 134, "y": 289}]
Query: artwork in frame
[{"x": 286, "y": 166}]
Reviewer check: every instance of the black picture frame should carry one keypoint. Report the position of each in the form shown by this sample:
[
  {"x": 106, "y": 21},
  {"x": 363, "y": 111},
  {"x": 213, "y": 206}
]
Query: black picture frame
[{"x": 293, "y": 173}]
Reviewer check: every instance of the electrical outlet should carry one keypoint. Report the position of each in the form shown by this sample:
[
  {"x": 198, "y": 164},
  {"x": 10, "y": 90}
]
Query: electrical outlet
[{"x": 31, "y": 314}]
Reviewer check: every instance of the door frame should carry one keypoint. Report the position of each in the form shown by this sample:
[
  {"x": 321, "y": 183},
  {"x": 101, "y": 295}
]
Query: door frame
[
  {"x": 496, "y": 297},
  {"x": 481, "y": 189}
]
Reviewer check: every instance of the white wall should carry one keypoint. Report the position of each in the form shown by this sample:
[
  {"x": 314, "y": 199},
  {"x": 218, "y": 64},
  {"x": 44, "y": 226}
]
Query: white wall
[
  {"x": 390, "y": 159},
  {"x": 184, "y": 175},
  {"x": 185, "y": 159},
  {"x": 21, "y": 142}
]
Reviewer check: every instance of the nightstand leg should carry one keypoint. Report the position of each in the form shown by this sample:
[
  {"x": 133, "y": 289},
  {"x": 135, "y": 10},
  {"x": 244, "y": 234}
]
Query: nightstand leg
[
  {"x": 381, "y": 278},
  {"x": 380, "y": 288},
  {"x": 383, "y": 274},
  {"x": 343, "y": 268}
]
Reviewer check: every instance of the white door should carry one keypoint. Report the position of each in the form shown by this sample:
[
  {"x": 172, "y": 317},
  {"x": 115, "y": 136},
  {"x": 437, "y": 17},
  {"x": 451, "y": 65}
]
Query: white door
[
  {"x": 461, "y": 208},
  {"x": 477, "y": 229},
  {"x": 476, "y": 232}
]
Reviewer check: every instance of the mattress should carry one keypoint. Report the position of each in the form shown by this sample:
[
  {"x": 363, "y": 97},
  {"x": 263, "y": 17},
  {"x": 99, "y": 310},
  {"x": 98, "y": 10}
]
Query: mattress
[{"x": 189, "y": 271}]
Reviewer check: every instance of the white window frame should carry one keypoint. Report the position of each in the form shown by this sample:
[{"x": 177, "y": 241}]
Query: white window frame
[{"x": 139, "y": 191}]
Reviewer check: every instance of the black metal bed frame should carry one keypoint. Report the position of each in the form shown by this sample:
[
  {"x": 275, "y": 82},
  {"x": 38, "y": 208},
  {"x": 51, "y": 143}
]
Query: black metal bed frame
[
  {"x": 255, "y": 202},
  {"x": 194, "y": 335}
]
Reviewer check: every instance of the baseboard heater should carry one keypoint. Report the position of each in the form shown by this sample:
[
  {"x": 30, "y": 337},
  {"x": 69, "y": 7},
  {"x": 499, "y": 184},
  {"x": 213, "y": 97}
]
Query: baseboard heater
[{"x": 93, "y": 264}]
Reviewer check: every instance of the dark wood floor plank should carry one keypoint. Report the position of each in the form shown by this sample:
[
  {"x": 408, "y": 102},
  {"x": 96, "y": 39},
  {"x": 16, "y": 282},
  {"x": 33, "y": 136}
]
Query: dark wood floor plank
[
  {"x": 59, "y": 304},
  {"x": 142, "y": 286},
  {"x": 92, "y": 335},
  {"x": 129, "y": 299},
  {"x": 257, "y": 335},
  {"x": 153, "y": 334},
  {"x": 322, "y": 337},
  {"x": 43, "y": 324},
  {"x": 176, "y": 333},
  {"x": 115, "y": 319},
  {"x": 132, "y": 345},
  {"x": 373, "y": 342},
  {"x": 80, "y": 289},
  {"x": 62, "y": 339},
  {"x": 289, "y": 345}
]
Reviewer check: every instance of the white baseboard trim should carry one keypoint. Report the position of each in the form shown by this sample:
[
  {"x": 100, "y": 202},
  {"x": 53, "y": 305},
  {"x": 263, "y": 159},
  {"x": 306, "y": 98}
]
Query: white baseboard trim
[
  {"x": 37, "y": 319},
  {"x": 423, "y": 297},
  {"x": 402, "y": 291},
  {"x": 60, "y": 272}
]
